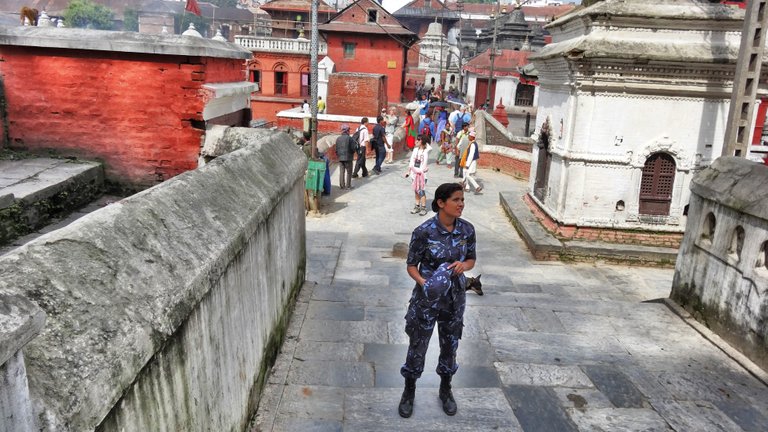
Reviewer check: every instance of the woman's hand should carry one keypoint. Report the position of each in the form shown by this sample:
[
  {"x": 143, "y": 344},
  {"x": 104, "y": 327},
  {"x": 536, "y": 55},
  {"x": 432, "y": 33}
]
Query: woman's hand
[{"x": 458, "y": 267}]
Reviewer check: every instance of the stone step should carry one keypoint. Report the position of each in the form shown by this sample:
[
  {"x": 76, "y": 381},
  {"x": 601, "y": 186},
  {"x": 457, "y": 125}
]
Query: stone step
[{"x": 33, "y": 191}]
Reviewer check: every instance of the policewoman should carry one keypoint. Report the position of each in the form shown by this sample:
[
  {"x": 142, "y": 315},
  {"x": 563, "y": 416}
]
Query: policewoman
[{"x": 441, "y": 250}]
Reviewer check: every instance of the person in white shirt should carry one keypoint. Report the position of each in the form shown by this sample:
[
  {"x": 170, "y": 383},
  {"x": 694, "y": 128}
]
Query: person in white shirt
[
  {"x": 417, "y": 170},
  {"x": 364, "y": 139},
  {"x": 470, "y": 164},
  {"x": 305, "y": 108}
]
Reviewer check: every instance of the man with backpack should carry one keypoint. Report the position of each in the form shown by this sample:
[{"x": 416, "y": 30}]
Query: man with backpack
[
  {"x": 427, "y": 129},
  {"x": 346, "y": 147},
  {"x": 362, "y": 137}
]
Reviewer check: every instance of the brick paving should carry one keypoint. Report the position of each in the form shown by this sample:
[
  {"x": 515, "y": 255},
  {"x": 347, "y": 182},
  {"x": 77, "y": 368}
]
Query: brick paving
[{"x": 550, "y": 347}]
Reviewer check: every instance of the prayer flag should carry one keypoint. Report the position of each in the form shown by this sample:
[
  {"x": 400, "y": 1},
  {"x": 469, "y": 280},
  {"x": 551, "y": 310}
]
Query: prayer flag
[{"x": 193, "y": 7}]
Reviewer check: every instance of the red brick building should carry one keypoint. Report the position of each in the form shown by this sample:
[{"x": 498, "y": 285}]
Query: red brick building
[
  {"x": 364, "y": 37},
  {"x": 139, "y": 103}
]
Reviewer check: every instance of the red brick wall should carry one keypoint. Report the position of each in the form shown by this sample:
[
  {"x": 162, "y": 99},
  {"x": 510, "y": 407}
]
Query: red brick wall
[
  {"x": 572, "y": 232},
  {"x": 514, "y": 167},
  {"x": 134, "y": 112},
  {"x": 268, "y": 110},
  {"x": 357, "y": 95},
  {"x": 372, "y": 55}
]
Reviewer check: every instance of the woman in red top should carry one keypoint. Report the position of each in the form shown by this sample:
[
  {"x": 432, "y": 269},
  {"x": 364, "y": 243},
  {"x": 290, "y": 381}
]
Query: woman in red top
[{"x": 410, "y": 131}]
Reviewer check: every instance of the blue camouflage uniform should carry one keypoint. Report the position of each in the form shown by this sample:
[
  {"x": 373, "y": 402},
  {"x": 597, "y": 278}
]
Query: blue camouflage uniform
[{"x": 433, "y": 245}]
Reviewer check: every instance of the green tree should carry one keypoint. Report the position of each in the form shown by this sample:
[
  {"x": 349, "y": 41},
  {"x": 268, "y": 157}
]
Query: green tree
[
  {"x": 587, "y": 3},
  {"x": 85, "y": 13},
  {"x": 131, "y": 20}
]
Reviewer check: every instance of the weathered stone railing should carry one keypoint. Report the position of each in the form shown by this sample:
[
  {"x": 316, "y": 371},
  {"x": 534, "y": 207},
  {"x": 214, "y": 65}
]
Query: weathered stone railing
[
  {"x": 501, "y": 150},
  {"x": 721, "y": 274},
  {"x": 164, "y": 310},
  {"x": 278, "y": 45}
]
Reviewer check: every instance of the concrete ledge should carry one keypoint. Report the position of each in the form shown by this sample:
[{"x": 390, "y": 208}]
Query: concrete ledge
[
  {"x": 543, "y": 245},
  {"x": 119, "y": 41}
]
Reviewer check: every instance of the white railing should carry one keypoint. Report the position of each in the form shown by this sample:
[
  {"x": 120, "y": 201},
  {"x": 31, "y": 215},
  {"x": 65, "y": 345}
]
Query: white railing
[{"x": 282, "y": 45}]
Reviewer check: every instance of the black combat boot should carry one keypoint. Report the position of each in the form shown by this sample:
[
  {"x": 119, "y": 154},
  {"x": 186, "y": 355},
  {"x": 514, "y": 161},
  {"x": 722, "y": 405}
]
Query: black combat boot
[
  {"x": 449, "y": 404},
  {"x": 405, "y": 409}
]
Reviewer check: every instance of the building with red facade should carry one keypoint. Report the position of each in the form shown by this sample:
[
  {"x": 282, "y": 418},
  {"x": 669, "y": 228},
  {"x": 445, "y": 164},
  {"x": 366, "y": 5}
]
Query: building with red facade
[
  {"x": 364, "y": 37},
  {"x": 139, "y": 103}
]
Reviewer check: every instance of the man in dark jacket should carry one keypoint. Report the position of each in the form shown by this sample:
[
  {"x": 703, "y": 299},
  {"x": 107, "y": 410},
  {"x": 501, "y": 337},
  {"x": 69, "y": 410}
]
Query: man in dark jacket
[
  {"x": 378, "y": 141},
  {"x": 345, "y": 150}
]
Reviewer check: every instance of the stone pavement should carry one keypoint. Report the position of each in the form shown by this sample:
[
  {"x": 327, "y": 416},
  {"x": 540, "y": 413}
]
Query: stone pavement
[{"x": 551, "y": 346}]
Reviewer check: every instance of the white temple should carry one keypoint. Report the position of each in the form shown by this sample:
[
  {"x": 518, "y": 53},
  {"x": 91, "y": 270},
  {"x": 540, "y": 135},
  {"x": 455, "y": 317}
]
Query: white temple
[
  {"x": 437, "y": 56},
  {"x": 634, "y": 95}
]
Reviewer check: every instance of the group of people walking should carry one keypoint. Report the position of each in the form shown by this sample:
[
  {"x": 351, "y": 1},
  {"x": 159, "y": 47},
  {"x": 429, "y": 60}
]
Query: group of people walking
[{"x": 381, "y": 140}]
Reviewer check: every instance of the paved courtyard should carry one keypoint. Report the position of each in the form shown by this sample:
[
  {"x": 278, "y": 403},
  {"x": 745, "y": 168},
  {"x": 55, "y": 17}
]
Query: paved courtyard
[{"x": 551, "y": 346}]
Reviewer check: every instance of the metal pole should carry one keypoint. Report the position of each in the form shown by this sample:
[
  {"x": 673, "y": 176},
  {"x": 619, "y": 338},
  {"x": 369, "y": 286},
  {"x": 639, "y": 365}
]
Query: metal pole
[
  {"x": 460, "y": 7},
  {"x": 313, "y": 48},
  {"x": 741, "y": 112},
  {"x": 493, "y": 53}
]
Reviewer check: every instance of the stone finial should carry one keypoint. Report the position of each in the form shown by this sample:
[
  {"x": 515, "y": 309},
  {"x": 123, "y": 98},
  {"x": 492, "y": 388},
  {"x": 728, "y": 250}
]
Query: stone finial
[
  {"x": 526, "y": 45},
  {"x": 191, "y": 31},
  {"x": 60, "y": 23},
  {"x": 44, "y": 20},
  {"x": 164, "y": 30},
  {"x": 219, "y": 36}
]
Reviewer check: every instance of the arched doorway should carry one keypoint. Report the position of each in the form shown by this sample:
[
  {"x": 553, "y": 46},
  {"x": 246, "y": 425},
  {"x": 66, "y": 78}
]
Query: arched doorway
[{"x": 657, "y": 184}]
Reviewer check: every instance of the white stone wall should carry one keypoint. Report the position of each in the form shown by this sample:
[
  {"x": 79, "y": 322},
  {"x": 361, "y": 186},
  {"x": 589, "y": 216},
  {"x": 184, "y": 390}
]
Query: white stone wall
[
  {"x": 163, "y": 308},
  {"x": 605, "y": 140},
  {"x": 723, "y": 281}
]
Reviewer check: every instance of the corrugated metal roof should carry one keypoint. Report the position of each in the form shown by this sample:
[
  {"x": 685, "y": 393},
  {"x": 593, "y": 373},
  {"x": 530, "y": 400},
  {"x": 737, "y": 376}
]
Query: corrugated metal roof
[
  {"x": 296, "y": 5},
  {"x": 506, "y": 63}
]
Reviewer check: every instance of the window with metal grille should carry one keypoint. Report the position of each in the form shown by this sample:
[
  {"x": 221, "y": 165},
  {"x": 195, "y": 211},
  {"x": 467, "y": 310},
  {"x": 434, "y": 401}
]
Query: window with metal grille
[{"x": 656, "y": 185}]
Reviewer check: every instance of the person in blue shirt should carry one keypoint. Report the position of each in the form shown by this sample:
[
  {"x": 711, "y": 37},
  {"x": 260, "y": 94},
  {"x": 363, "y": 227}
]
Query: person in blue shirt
[
  {"x": 441, "y": 250},
  {"x": 427, "y": 129},
  {"x": 424, "y": 104}
]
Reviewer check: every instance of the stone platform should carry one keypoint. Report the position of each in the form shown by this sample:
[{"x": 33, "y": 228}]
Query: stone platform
[
  {"x": 33, "y": 191},
  {"x": 545, "y": 246}
]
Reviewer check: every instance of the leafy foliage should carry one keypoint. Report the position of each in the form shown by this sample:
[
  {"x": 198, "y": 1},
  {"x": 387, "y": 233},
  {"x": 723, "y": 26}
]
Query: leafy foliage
[
  {"x": 131, "y": 20},
  {"x": 587, "y": 3},
  {"x": 87, "y": 14}
]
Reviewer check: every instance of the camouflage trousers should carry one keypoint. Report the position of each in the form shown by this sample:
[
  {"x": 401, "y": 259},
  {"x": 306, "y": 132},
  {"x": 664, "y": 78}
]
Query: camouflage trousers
[{"x": 419, "y": 325}]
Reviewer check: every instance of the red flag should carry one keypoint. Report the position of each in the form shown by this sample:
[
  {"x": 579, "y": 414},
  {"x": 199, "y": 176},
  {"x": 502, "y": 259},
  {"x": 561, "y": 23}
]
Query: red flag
[{"x": 193, "y": 7}]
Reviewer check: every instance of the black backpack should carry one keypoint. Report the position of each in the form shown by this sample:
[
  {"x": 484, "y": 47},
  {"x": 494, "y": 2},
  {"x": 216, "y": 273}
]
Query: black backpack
[{"x": 356, "y": 140}]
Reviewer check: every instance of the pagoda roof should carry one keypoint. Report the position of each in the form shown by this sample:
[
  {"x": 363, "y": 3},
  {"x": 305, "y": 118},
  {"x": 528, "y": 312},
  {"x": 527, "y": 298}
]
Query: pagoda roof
[
  {"x": 680, "y": 10},
  {"x": 296, "y": 6},
  {"x": 628, "y": 39}
]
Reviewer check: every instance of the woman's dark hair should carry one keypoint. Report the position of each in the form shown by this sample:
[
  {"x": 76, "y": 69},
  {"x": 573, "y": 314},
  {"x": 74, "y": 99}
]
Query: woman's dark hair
[
  {"x": 364, "y": 120},
  {"x": 443, "y": 192},
  {"x": 422, "y": 138}
]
